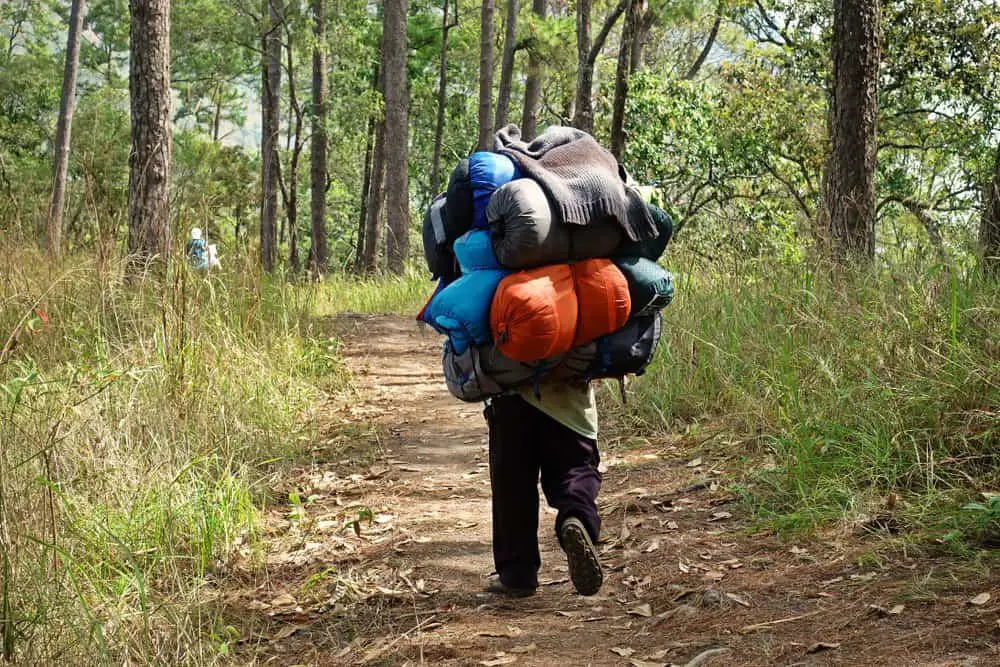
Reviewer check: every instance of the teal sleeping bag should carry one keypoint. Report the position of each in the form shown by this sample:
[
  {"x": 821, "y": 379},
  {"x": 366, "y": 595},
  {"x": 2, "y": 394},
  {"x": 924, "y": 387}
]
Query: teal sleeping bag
[{"x": 650, "y": 286}]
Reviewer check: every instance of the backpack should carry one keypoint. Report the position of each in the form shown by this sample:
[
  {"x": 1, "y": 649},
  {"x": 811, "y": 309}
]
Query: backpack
[
  {"x": 627, "y": 351},
  {"x": 437, "y": 246},
  {"x": 197, "y": 253}
]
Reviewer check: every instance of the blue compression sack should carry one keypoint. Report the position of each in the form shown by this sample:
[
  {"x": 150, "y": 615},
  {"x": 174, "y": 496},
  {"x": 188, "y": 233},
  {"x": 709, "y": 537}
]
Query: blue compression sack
[{"x": 487, "y": 172}]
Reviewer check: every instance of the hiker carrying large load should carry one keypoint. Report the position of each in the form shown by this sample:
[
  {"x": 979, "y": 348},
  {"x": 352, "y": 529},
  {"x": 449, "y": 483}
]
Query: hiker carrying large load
[{"x": 546, "y": 261}]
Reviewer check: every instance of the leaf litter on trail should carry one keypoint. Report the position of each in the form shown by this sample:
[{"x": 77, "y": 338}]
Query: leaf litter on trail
[
  {"x": 623, "y": 651},
  {"x": 980, "y": 599},
  {"x": 644, "y": 610},
  {"x": 501, "y": 659}
]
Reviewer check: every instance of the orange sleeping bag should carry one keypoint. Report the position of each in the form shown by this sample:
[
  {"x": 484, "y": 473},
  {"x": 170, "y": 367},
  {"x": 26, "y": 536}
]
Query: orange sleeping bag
[
  {"x": 547, "y": 311},
  {"x": 603, "y": 297},
  {"x": 534, "y": 313}
]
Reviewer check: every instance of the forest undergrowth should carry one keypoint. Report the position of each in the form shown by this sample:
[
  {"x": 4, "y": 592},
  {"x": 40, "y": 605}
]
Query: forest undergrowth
[{"x": 145, "y": 424}]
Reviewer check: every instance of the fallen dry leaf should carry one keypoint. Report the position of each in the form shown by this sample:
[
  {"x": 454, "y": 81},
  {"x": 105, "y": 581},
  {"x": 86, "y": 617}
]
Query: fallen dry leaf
[
  {"x": 283, "y": 600},
  {"x": 644, "y": 610},
  {"x": 719, "y": 516},
  {"x": 646, "y": 663},
  {"x": 653, "y": 546},
  {"x": 738, "y": 600},
  {"x": 501, "y": 660},
  {"x": 525, "y": 649},
  {"x": 980, "y": 599},
  {"x": 287, "y": 631},
  {"x": 694, "y": 463},
  {"x": 897, "y": 610},
  {"x": 622, "y": 651},
  {"x": 510, "y": 632},
  {"x": 823, "y": 646}
]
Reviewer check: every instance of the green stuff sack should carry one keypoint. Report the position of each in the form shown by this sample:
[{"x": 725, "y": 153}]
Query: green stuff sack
[
  {"x": 650, "y": 286},
  {"x": 653, "y": 248}
]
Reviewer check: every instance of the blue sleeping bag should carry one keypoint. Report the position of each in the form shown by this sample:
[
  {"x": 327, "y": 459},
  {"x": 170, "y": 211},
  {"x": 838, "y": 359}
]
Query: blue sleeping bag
[
  {"x": 461, "y": 310},
  {"x": 487, "y": 172}
]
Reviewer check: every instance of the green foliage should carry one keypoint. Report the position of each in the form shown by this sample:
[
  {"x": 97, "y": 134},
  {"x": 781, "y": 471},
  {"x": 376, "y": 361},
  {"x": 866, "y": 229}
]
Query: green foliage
[
  {"x": 138, "y": 426},
  {"x": 855, "y": 386}
]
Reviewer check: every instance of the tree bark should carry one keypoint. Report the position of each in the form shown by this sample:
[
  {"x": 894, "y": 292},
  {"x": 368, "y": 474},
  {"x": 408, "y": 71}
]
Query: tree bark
[
  {"x": 373, "y": 118},
  {"x": 533, "y": 84},
  {"x": 270, "y": 123},
  {"x": 645, "y": 24},
  {"x": 849, "y": 182},
  {"x": 290, "y": 192},
  {"x": 507, "y": 65},
  {"x": 318, "y": 249},
  {"x": 621, "y": 80},
  {"x": 397, "y": 170},
  {"x": 485, "y": 140},
  {"x": 989, "y": 227},
  {"x": 442, "y": 98},
  {"x": 64, "y": 130},
  {"x": 149, "y": 159},
  {"x": 376, "y": 197},
  {"x": 587, "y": 52},
  {"x": 709, "y": 43}
]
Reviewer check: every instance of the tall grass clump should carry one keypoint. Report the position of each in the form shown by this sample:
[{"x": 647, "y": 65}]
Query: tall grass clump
[
  {"x": 858, "y": 385},
  {"x": 140, "y": 422}
]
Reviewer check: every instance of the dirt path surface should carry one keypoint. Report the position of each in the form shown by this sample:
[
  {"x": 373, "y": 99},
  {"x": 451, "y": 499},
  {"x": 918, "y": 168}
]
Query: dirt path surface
[{"x": 382, "y": 562}]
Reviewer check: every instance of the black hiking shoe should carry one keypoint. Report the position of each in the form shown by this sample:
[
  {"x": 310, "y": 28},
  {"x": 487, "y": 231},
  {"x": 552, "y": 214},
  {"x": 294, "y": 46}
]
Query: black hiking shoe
[
  {"x": 584, "y": 566},
  {"x": 497, "y": 587}
]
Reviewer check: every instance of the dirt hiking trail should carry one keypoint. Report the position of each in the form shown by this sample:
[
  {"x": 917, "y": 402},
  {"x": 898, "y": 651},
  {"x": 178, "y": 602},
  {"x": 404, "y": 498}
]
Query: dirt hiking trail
[{"x": 379, "y": 555}]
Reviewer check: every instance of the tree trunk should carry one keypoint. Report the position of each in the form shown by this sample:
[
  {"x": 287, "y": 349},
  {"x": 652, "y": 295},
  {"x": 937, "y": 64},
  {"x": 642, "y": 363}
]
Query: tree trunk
[
  {"x": 587, "y": 52},
  {"x": 290, "y": 192},
  {"x": 64, "y": 130},
  {"x": 373, "y": 224},
  {"x": 849, "y": 182},
  {"x": 533, "y": 84},
  {"x": 485, "y": 139},
  {"x": 318, "y": 249},
  {"x": 397, "y": 172},
  {"x": 641, "y": 36},
  {"x": 442, "y": 95},
  {"x": 621, "y": 80},
  {"x": 989, "y": 229},
  {"x": 507, "y": 65},
  {"x": 270, "y": 123},
  {"x": 359, "y": 252},
  {"x": 709, "y": 43},
  {"x": 149, "y": 159}
]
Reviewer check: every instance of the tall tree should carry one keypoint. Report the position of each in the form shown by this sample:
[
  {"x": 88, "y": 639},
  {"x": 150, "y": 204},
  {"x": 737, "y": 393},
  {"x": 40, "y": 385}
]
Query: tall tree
[
  {"x": 149, "y": 159},
  {"x": 296, "y": 142},
  {"x": 64, "y": 129},
  {"x": 507, "y": 64},
  {"x": 374, "y": 127},
  {"x": 446, "y": 27},
  {"x": 625, "y": 47},
  {"x": 849, "y": 181},
  {"x": 397, "y": 190},
  {"x": 533, "y": 82},
  {"x": 989, "y": 229},
  {"x": 270, "y": 125},
  {"x": 376, "y": 195},
  {"x": 485, "y": 139},
  {"x": 587, "y": 52},
  {"x": 318, "y": 249}
]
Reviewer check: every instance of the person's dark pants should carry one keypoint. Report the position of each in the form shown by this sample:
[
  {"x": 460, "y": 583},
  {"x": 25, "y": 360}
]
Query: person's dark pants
[{"x": 523, "y": 442}]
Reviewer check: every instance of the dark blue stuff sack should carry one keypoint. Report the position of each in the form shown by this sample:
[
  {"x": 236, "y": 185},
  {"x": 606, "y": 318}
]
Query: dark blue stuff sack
[{"x": 629, "y": 350}]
